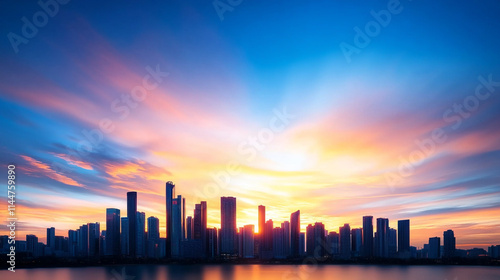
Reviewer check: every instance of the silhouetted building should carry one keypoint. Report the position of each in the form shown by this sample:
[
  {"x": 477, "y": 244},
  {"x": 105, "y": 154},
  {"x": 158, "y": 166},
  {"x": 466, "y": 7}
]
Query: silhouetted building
[
  {"x": 248, "y": 241},
  {"x": 345, "y": 242},
  {"x": 112, "y": 232},
  {"x": 294, "y": 234},
  {"x": 140, "y": 234},
  {"x": 153, "y": 228},
  {"x": 189, "y": 228},
  {"x": 200, "y": 225},
  {"x": 132, "y": 222},
  {"x": 178, "y": 210},
  {"x": 228, "y": 240},
  {"x": 51, "y": 235},
  {"x": 309, "y": 240},
  {"x": 368, "y": 236},
  {"x": 94, "y": 231},
  {"x": 169, "y": 197},
  {"x": 449, "y": 243},
  {"x": 357, "y": 241},
  {"x": 31, "y": 245},
  {"x": 302, "y": 244},
  {"x": 267, "y": 249},
  {"x": 212, "y": 250},
  {"x": 434, "y": 248},
  {"x": 286, "y": 238},
  {"x": 72, "y": 243},
  {"x": 124, "y": 237},
  {"x": 83, "y": 241},
  {"x": 153, "y": 238},
  {"x": 332, "y": 241},
  {"x": 382, "y": 238},
  {"x": 392, "y": 243},
  {"x": 494, "y": 251},
  {"x": 404, "y": 239},
  {"x": 262, "y": 225},
  {"x": 278, "y": 243}
]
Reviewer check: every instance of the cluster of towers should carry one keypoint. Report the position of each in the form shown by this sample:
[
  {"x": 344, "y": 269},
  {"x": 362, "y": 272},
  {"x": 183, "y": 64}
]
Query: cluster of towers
[{"x": 134, "y": 236}]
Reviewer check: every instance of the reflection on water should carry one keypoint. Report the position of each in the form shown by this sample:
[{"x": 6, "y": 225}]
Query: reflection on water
[{"x": 261, "y": 272}]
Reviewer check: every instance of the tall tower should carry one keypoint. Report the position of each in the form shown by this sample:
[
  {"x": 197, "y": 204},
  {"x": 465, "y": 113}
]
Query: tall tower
[
  {"x": 382, "y": 244},
  {"x": 228, "y": 238},
  {"x": 262, "y": 228},
  {"x": 449, "y": 243},
  {"x": 368, "y": 236},
  {"x": 112, "y": 232},
  {"x": 295, "y": 233},
  {"x": 132, "y": 222},
  {"x": 169, "y": 196},
  {"x": 404, "y": 238}
]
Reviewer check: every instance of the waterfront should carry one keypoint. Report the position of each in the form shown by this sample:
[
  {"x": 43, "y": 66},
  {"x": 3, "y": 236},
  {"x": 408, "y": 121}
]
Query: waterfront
[{"x": 246, "y": 272}]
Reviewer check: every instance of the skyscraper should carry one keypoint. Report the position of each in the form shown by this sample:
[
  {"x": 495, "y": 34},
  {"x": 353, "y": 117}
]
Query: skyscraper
[
  {"x": 112, "y": 232},
  {"x": 51, "y": 238},
  {"x": 189, "y": 228},
  {"x": 31, "y": 245},
  {"x": 248, "y": 241},
  {"x": 169, "y": 196},
  {"x": 382, "y": 244},
  {"x": 72, "y": 243},
  {"x": 368, "y": 236},
  {"x": 449, "y": 243},
  {"x": 153, "y": 228},
  {"x": 356, "y": 241},
  {"x": 200, "y": 225},
  {"x": 267, "y": 240},
  {"x": 94, "y": 231},
  {"x": 286, "y": 238},
  {"x": 261, "y": 224},
  {"x": 278, "y": 243},
  {"x": 392, "y": 243},
  {"x": 294, "y": 234},
  {"x": 177, "y": 225},
  {"x": 83, "y": 240},
  {"x": 434, "y": 248},
  {"x": 212, "y": 250},
  {"x": 140, "y": 234},
  {"x": 404, "y": 239},
  {"x": 333, "y": 243},
  {"x": 132, "y": 222},
  {"x": 228, "y": 239},
  {"x": 153, "y": 238},
  {"x": 124, "y": 237},
  {"x": 345, "y": 242},
  {"x": 262, "y": 218},
  {"x": 310, "y": 240}
]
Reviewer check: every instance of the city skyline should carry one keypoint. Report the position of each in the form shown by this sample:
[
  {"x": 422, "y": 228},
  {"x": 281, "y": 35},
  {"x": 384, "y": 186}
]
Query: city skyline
[
  {"x": 378, "y": 247},
  {"x": 264, "y": 105}
]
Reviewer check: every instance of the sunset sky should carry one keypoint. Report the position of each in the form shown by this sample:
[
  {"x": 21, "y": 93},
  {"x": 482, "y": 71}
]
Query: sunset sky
[{"x": 353, "y": 126}]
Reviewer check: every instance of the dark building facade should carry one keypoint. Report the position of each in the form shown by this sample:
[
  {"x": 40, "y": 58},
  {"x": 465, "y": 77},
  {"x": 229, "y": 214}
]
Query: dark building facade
[
  {"x": 228, "y": 238},
  {"x": 132, "y": 222},
  {"x": 112, "y": 232},
  {"x": 295, "y": 234},
  {"x": 404, "y": 239},
  {"x": 169, "y": 196},
  {"x": 368, "y": 236}
]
